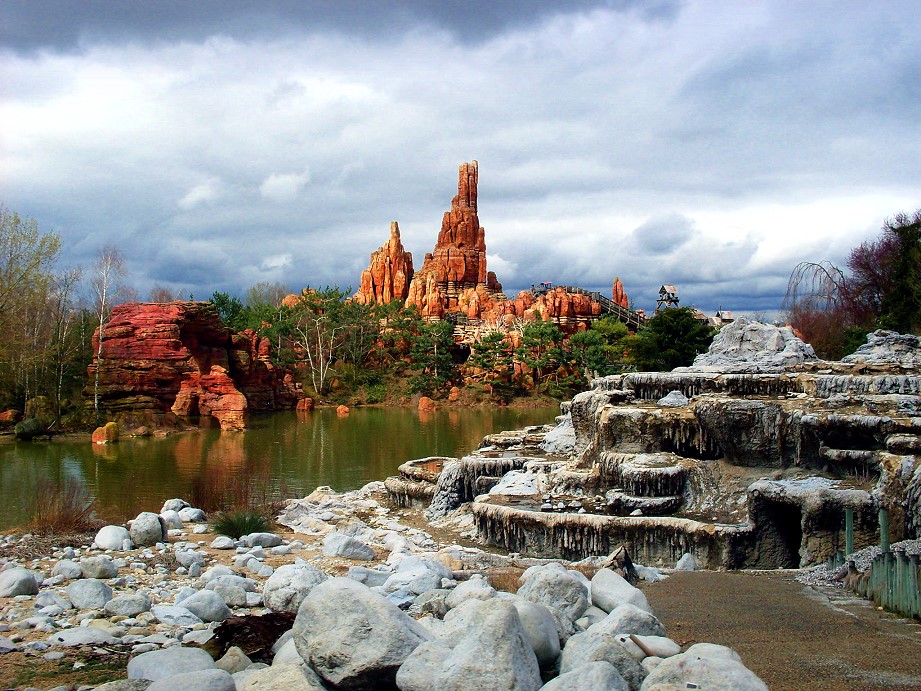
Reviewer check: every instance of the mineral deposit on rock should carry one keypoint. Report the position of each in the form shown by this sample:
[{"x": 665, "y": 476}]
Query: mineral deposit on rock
[{"x": 750, "y": 347}]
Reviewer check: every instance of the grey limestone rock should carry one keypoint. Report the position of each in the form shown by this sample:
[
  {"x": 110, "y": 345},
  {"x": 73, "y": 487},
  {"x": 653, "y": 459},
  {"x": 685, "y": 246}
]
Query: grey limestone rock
[
  {"x": 484, "y": 646},
  {"x": 415, "y": 575},
  {"x": 339, "y": 545},
  {"x": 190, "y": 515},
  {"x": 688, "y": 562},
  {"x": 628, "y": 619},
  {"x": 448, "y": 490},
  {"x": 713, "y": 650},
  {"x": 287, "y": 654},
  {"x": 592, "y": 646},
  {"x": 674, "y": 399},
  {"x": 147, "y": 529},
  {"x": 261, "y": 540},
  {"x": 188, "y": 557},
  {"x": 171, "y": 520},
  {"x": 888, "y": 348},
  {"x": 353, "y": 637},
  {"x": 751, "y": 347},
  {"x": 289, "y": 585},
  {"x": 474, "y": 589},
  {"x": 234, "y": 660},
  {"x": 589, "y": 677},
  {"x": 81, "y": 635},
  {"x": 610, "y": 589},
  {"x": 370, "y": 577},
  {"x": 282, "y": 678},
  {"x": 713, "y": 673},
  {"x": 89, "y": 593},
  {"x": 124, "y": 685},
  {"x": 17, "y": 581},
  {"x": 561, "y": 440},
  {"x": 540, "y": 628},
  {"x": 207, "y": 605},
  {"x": 233, "y": 595},
  {"x": 174, "y": 615},
  {"x": 159, "y": 664},
  {"x": 553, "y": 586},
  {"x": 223, "y": 542},
  {"x": 113, "y": 537},
  {"x": 200, "y": 680},
  {"x": 128, "y": 605},
  {"x": 176, "y": 505},
  {"x": 68, "y": 569},
  {"x": 98, "y": 567}
]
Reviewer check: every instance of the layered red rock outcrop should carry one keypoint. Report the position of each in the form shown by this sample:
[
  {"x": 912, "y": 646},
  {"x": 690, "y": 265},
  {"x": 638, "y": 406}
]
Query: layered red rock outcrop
[
  {"x": 458, "y": 262},
  {"x": 178, "y": 358},
  {"x": 389, "y": 274}
]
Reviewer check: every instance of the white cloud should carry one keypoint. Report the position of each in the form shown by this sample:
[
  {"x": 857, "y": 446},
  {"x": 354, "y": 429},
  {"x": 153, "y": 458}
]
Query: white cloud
[
  {"x": 202, "y": 193},
  {"x": 280, "y": 187},
  {"x": 277, "y": 262}
]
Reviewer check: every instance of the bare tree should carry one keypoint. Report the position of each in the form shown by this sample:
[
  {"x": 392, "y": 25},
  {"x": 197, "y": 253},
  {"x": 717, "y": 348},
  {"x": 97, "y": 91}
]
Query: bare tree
[
  {"x": 66, "y": 346},
  {"x": 107, "y": 281},
  {"x": 163, "y": 294}
]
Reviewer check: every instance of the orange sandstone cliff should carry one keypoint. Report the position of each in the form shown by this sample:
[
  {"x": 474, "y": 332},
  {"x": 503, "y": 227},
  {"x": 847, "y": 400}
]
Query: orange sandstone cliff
[{"x": 161, "y": 360}]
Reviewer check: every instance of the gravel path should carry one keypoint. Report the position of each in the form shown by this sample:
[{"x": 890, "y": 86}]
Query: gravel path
[{"x": 792, "y": 636}]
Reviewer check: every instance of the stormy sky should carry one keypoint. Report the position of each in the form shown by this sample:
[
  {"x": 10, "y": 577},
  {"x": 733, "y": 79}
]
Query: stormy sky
[{"x": 712, "y": 145}]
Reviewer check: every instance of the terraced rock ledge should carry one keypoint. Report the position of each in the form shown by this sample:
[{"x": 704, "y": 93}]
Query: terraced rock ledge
[{"x": 747, "y": 459}]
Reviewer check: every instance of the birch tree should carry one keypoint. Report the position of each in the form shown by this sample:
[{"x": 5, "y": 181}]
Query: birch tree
[{"x": 107, "y": 283}]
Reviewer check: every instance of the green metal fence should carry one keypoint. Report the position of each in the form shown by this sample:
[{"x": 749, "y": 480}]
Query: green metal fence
[
  {"x": 894, "y": 578},
  {"x": 894, "y": 583}
]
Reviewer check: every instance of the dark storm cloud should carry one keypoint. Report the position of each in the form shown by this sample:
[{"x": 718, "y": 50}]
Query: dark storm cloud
[
  {"x": 71, "y": 24},
  {"x": 663, "y": 234}
]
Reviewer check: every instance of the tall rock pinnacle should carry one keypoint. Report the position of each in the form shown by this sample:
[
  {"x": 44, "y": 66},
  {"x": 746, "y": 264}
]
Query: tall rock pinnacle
[
  {"x": 458, "y": 262},
  {"x": 388, "y": 276}
]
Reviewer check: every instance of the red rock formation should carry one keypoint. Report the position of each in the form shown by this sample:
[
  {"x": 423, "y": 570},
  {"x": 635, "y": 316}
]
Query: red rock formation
[
  {"x": 388, "y": 276},
  {"x": 458, "y": 262},
  {"x": 161, "y": 359},
  {"x": 570, "y": 311},
  {"x": 107, "y": 434},
  {"x": 619, "y": 295}
]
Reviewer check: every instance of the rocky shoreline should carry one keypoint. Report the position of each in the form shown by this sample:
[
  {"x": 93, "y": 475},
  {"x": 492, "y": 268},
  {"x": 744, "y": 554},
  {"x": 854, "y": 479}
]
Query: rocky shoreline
[{"x": 369, "y": 601}]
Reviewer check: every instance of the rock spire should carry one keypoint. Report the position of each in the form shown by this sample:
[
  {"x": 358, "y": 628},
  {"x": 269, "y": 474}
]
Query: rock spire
[
  {"x": 458, "y": 262},
  {"x": 389, "y": 274}
]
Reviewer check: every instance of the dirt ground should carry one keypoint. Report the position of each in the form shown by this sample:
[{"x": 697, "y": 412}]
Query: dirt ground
[{"x": 791, "y": 635}]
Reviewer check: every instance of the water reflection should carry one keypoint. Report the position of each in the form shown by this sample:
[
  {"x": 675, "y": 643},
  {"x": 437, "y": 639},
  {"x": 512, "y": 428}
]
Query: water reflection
[{"x": 299, "y": 450}]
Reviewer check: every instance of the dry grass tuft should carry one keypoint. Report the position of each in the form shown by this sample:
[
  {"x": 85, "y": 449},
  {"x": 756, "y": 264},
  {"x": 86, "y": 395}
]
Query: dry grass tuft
[{"x": 62, "y": 507}]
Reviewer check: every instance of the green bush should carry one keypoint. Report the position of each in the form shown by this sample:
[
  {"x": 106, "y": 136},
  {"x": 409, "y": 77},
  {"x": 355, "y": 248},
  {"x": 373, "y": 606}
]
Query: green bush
[
  {"x": 236, "y": 524},
  {"x": 376, "y": 393}
]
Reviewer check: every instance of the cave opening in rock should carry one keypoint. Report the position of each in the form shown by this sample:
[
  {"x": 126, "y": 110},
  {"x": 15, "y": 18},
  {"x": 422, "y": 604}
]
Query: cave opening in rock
[
  {"x": 781, "y": 535},
  {"x": 460, "y": 353}
]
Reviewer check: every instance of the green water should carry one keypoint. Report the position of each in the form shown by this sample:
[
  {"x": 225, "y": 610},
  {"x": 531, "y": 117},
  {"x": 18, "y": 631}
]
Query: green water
[{"x": 295, "y": 451}]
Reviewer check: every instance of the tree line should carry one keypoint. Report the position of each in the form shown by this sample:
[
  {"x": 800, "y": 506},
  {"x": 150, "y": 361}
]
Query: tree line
[
  {"x": 359, "y": 353},
  {"x": 343, "y": 350}
]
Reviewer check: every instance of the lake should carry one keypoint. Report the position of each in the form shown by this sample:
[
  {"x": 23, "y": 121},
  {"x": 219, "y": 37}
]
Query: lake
[{"x": 296, "y": 452}]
